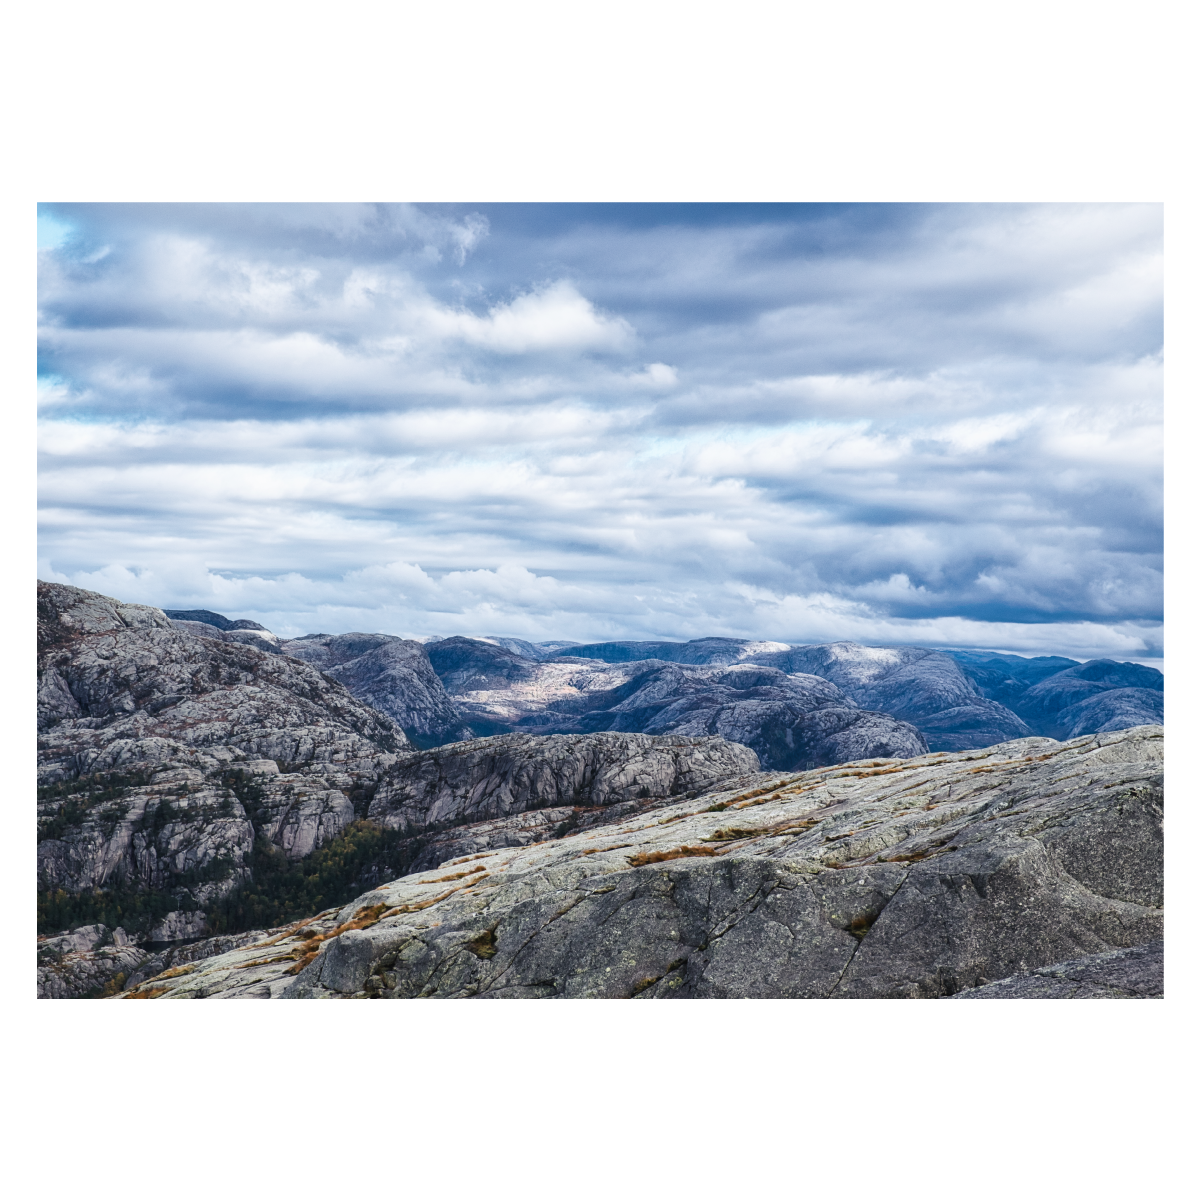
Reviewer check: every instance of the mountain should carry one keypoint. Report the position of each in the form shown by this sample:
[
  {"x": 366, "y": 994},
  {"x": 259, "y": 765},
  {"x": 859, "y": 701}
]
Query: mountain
[
  {"x": 202, "y": 623},
  {"x": 222, "y": 818},
  {"x": 958, "y": 699},
  {"x": 922, "y": 688},
  {"x": 788, "y": 720},
  {"x": 709, "y": 651},
  {"x": 170, "y": 765},
  {"x": 538, "y": 651},
  {"x": 451, "y": 689},
  {"x": 390, "y": 674},
  {"x": 1022, "y": 867},
  {"x": 1005, "y": 678},
  {"x": 1100, "y": 692}
]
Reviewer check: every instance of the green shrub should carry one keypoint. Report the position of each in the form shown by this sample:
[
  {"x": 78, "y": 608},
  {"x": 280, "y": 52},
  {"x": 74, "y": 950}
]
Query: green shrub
[
  {"x": 281, "y": 891},
  {"x": 80, "y": 796}
]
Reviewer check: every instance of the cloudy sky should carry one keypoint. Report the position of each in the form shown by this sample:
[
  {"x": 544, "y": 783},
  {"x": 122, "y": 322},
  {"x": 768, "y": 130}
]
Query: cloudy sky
[{"x": 936, "y": 425}]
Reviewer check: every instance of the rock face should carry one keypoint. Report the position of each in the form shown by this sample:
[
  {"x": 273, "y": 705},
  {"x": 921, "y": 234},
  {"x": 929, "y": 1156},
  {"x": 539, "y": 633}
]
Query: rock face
[
  {"x": 1135, "y": 974},
  {"x": 882, "y": 879},
  {"x": 96, "y": 962},
  {"x": 160, "y": 756},
  {"x": 390, "y": 674},
  {"x": 503, "y": 776},
  {"x": 788, "y": 720},
  {"x": 82, "y": 962}
]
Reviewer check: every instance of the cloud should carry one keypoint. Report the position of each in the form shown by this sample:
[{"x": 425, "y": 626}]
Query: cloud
[
  {"x": 881, "y": 422},
  {"x": 403, "y": 599}
]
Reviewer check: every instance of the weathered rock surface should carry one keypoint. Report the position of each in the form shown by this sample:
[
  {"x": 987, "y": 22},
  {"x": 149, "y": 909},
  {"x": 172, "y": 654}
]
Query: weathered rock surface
[
  {"x": 149, "y": 735},
  {"x": 81, "y": 963},
  {"x": 502, "y": 776},
  {"x": 788, "y": 720},
  {"x": 393, "y": 676},
  {"x": 1134, "y": 974},
  {"x": 94, "y": 962},
  {"x": 881, "y": 879}
]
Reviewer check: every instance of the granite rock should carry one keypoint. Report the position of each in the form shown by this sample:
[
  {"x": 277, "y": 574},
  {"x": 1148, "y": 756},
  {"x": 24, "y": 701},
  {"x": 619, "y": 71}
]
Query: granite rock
[
  {"x": 149, "y": 735},
  {"x": 917, "y": 878},
  {"x": 1133, "y": 974}
]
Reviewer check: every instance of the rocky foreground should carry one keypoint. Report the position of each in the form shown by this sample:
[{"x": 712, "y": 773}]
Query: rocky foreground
[{"x": 998, "y": 869}]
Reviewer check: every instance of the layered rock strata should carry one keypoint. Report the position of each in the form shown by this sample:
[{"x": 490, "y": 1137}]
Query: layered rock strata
[{"x": 879, "y": 879}]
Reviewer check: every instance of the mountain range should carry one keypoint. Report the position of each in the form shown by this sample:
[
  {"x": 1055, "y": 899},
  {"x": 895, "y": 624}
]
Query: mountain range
[
  {"x": 792, "y": 704},
  {"x": 203, "y": 783}
]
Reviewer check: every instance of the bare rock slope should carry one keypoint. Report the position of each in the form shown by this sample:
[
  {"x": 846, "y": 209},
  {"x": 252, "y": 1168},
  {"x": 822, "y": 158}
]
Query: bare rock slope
[
  {"x": 165, "y": 758},
  {"x": 1134, "y": 974},
  {"x": 879, "y": 879}
]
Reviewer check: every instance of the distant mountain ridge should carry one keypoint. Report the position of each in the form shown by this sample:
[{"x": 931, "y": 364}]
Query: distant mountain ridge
[{"x": 947, "y": 700}]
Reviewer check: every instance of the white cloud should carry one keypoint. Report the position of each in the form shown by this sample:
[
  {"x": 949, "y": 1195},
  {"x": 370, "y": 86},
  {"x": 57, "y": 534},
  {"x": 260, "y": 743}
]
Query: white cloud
[{"x": 911, "y": 418}]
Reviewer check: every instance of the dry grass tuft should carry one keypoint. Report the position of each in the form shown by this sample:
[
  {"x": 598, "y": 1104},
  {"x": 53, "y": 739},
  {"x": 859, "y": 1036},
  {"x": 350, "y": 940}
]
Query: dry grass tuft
[
  {"x": 484, "y": 945},
  {"x": 451, "y": 878},
  {"x": 174, "y": 973},
  {"x": 731, "y": 833},
  {"x": 643, "y": 860}
]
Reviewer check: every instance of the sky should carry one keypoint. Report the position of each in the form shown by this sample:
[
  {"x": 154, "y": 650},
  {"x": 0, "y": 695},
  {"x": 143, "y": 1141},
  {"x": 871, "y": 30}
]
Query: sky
[{"x": 935, "y": 425}]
